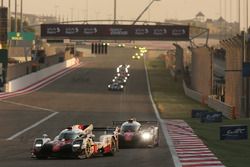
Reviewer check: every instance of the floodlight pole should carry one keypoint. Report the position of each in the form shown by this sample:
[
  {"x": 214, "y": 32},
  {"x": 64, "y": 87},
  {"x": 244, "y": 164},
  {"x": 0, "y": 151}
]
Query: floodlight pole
[
  {"x": 239, "y": 14},
  {"x": 9, "y": 16},
  {"x": 15, "y": 29},
  {"x": 246, "y": 15},
  {"x": 21, "y": 16},
  {"x": 144, "y": 11},
  {"x": 114, "y": 11}
]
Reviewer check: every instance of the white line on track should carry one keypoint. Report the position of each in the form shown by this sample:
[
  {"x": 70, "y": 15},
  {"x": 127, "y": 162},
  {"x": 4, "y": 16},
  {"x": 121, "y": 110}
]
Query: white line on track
[
  {"x": 53, "y": 113},
  {"x": 26, "y": 105},
  {"x": 176, "y": 160},
  {"x": 33, "y": 125}
]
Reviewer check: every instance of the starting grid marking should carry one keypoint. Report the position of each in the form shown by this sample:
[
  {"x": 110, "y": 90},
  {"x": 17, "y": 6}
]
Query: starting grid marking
[{"x": 191, "y": 151}]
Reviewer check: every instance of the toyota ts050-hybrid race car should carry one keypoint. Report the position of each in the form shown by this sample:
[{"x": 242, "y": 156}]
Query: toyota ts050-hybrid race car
[
  {"x": 115, "y": 86},
  {"x": 76, "y": 142},
  {"x": 134, "y": 133}
]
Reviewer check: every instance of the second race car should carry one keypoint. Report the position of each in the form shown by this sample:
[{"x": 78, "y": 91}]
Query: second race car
[{"x": 134, "y": 133}]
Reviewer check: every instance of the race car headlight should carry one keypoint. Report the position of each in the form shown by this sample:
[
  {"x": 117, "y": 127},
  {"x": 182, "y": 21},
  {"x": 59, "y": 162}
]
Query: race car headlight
[
  {"x": 146, "y": 136},
  {"x": 108, "y": 86},
  {"x": 113, "y": 80},
  {"x": 121, "y": 86},
  {"x": 76, "y": 145},
  {"x": 124, "y": 80},
  {"x": 38, "y": 145}
]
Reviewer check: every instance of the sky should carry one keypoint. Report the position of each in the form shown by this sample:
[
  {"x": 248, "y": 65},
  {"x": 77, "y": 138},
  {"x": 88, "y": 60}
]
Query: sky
[{"x": 130, "y": 9}]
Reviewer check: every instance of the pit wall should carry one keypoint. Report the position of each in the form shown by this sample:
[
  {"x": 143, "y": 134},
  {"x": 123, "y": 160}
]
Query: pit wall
[
  {"x": 233, "y": 75},
  {"x": 201, "y": 73},
  {"x": 21, "y": 69},
  {"x": 30, "y": 79},
  {"x": 197, "y": 84}
]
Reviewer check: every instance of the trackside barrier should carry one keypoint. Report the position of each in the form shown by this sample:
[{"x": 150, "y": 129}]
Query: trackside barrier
[
  {"x": 227, "y": 110},
  {"x": 34, "y": 77},
  {"x": 193, "y": 94}
]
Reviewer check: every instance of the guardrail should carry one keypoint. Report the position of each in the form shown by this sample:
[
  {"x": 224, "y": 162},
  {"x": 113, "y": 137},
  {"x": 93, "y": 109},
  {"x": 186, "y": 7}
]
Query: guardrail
[
  {"x": 27, "y": 80},
  {"x": 192, "y": 94},
  {"x": 227, "y": 110}
]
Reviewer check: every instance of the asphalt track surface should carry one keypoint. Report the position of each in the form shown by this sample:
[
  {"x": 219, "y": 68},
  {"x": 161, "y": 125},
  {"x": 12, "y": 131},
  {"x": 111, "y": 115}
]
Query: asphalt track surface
[{"x": 82, "y": 97}]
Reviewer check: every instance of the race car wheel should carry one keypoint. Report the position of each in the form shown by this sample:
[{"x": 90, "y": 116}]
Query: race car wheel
[
  {"x": 112, "y": 149},
  {"x": 157, "y": 140},
  {"x": 87, "y": 150}
]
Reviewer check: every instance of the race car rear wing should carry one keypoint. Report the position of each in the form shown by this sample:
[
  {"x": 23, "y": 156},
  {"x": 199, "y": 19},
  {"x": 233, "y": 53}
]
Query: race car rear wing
[
  {"x": 106, "y": 129},
  {"x": 118, "y": 123}
]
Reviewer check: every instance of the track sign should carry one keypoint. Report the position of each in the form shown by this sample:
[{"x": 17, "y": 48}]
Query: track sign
[
  {"x": 21, "y": 36},
  {"x": 116, "y": 32},
  {"x": 210, "y": 117},
  {"x": 196, "y": 113},
  {"x": 234, "y": 132}
]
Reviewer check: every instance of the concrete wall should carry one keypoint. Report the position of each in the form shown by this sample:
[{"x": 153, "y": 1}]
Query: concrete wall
[
  {"x": 233, "y": 76},
  {"x": 201, "y": 71},
  {"x": 35, "y": 77},
  {"x": 21, "y": 69}
]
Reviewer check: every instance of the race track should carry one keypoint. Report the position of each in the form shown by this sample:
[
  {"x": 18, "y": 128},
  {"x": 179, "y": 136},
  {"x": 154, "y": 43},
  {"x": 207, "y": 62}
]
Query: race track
[{"x": 81, "y": 97}]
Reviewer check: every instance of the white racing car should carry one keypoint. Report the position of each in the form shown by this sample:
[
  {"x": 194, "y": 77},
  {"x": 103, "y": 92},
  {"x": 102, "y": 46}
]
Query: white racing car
[
  {"x": 134, "y": 133},
  {"x": 76, "y": 142}
]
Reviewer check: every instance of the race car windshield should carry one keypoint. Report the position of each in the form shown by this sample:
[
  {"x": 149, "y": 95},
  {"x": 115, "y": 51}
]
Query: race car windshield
[
  {"x": 129, "y": 128},
  {"x": 67, "y": 136}
]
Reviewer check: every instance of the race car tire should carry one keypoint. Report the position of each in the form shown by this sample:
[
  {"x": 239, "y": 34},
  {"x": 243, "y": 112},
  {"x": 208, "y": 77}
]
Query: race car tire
[
  {"x": 87, "y": 150},
  {"x": 113, "y": 148},
  {"x": 157, "y": 139}
]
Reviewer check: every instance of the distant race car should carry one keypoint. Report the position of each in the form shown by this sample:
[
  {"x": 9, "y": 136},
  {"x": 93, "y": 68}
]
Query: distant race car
[
  {"x": 75, "y": 142},
  {"x": 115, "y": 86},
  {"x": 124, "y": 78},
  {"x": 120, "y": 80},
  {"x": 122, "y": 68},
  {"x": 134, "y": 133},
  {"x": 122, "y": 45},
  {"x": 136, "y": 56}
]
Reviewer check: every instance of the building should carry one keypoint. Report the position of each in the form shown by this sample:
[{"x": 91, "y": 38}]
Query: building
[{"x": 218, "y": 28}]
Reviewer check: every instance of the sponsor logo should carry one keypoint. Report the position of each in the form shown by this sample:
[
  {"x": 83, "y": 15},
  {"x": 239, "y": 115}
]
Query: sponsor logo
[
  {"x": 89, "y": 31},
  {"x": 118, "y": 31},
  {"x": 141, "y": 31},
  {"x": 234, "y": 132},
  {"x": 161, "y": 31},
  {"x": 213, "y": 117},
  {"x": 178, "y": 32},
  {"x": 71, "y": 30},
  {"x": 53, "y": 30}
]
